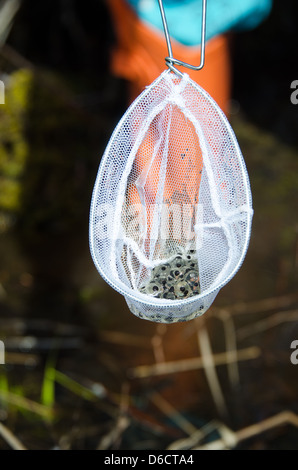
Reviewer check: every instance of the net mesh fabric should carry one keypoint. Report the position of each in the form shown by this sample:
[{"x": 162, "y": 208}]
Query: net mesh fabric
[{"x": 172, "y": 182}]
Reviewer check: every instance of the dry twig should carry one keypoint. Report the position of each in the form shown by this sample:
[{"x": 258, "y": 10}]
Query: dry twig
[
  {"x": 157, "y": 343},
  {"x": 10, "y": 438},
  {"x": 273, "y": 303},
  {"x": 266, "y": 323},
  {"x": 231, "y": 346},
  {"x": 27, "y": 404},
  {"x": 115, "y": 433},
  {"x": 121, "y": 423},
  {"x": 173, "y": 414},
  {"x": 229, "y": 439},
  {"x": 171, "y": 367},
  {"x": 210, "y": 371},
  {"x": 126, "y": 339},
  {"x": 194, "y": 438}
]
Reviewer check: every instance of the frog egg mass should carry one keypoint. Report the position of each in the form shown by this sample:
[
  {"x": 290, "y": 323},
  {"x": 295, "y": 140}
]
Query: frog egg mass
[{"x": 177, "y": 279}]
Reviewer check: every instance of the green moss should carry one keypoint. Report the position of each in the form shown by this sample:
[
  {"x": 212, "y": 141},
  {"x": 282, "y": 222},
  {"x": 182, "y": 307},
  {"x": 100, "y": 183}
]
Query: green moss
[
  {"x": 46, "y": 147},
  {"x": 272, "y": 167},
  {"x": 13, "y": 144},
  {"x": 9, "y": 194}
]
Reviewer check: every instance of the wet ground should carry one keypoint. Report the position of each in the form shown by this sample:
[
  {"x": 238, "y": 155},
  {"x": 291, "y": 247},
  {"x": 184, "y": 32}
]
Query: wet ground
[{"x": 81, "y": 371}]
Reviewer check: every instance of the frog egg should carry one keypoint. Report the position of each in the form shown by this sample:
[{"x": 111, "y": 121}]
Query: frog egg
[
  {"x": 170, "y": 288},
  {"x": 177, "y": 273},
  {"x": 196, "y": 288},
  {"x": 178, "y": 262},
  {"x": 180, "y": 252},
  {"x": 154, "y": 288},
  {"x": 143, "y": 289},
  {"x": 165, "y": 278},
  {"x": 169, "y": 295},
  {"x": 161, "y": 269},
  {"x": 192, "y": 277},
  {"x": 182, "y": 289},
  {"x": 191, "y": 255}
]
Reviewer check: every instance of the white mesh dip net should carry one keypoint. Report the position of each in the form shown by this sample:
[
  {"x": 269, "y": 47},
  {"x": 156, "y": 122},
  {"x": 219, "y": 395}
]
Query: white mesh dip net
[{"x": 171, "y": 209}]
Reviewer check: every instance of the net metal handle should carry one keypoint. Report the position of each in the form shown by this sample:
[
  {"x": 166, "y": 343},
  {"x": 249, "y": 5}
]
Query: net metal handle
[{"x": 170, "y": 61}]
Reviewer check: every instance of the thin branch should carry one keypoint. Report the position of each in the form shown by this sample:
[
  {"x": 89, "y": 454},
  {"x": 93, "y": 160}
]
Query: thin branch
[
  {"x": 157, "y": 343},
  {"x": 266, "y": 323},
  {"x": 27, "y": 404},
  {"x": 263, "y": 305},
  {"x": 126, "y": 339},
  {"x": 231, "y": 346},
  {"x": 193, "y": 363},
  {"x": 10, "y": 438},
  {"x": 114, "y": 434},
  {"x": 121, "y": 424},
  {"x": 193, "y": 440},
  {"x": 210, "y": 371},
  {"x": 174, "y": 415},
  {"x": 230, "y": 438}
]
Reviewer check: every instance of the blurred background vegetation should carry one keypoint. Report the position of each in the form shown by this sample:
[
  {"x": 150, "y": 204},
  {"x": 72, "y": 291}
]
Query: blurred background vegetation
[{"x": 81, "y": 371}]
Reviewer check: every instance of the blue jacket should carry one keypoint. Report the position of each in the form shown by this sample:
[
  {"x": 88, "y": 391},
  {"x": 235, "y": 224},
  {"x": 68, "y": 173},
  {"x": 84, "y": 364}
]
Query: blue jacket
[{"x": 184, "y": 17}]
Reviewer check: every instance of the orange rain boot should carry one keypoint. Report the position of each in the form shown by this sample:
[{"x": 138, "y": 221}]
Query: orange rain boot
[{"x": 139, "y": 56}]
